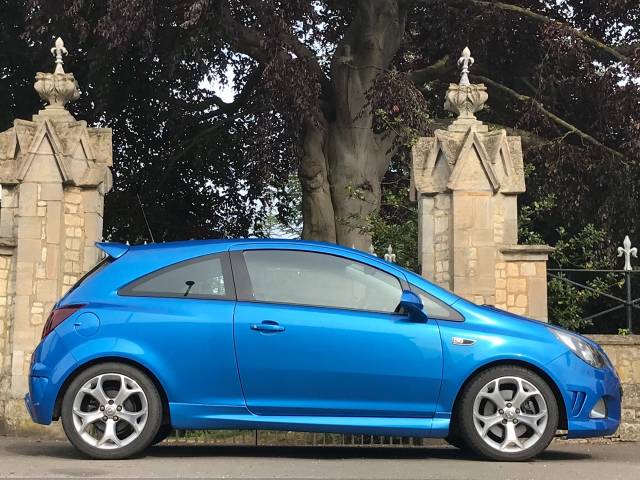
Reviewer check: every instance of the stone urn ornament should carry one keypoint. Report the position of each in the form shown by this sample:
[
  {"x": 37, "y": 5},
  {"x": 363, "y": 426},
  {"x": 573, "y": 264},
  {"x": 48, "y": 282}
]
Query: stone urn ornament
[
  {"x": 57, "y": 88},
  {"x": 463, "y": 98}
]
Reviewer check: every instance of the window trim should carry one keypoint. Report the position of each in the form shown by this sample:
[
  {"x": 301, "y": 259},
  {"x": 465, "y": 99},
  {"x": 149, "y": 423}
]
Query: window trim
[
  {"x": 227, "y": 274},
  {"x": 458, "y": 316},
  {"x": 244, "y": 289}
]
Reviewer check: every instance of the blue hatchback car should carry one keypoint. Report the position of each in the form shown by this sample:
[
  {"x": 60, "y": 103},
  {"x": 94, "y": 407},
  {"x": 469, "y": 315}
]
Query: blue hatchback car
[{"x": 296, "y": 335}]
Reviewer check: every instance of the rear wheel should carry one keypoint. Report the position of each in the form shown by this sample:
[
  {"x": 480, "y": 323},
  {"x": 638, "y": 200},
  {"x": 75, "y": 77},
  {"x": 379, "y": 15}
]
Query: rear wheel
[
  {"x": 456, "y": 441},
  {"x": 508, "y": 413},
  {"x": 111, "y": 411}
]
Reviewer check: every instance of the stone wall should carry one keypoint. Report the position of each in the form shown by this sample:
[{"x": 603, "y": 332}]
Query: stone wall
[
  {"x": 521, "y": 280},
  {"x": 54, "y": 173},
  {"x": 6, "y": 311},
  {"x": 466, "y": 180},
  {"x": 624, "y": 352},
  {"x": 433, "y": 244}
]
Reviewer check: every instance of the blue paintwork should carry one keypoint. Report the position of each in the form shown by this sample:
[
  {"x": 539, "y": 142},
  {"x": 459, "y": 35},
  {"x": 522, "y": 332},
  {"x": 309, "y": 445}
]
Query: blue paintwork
[
  {"x": 237, "y": 364},
  {"x": 412, "y": 305},
  {"x": 113, "y": 249}
]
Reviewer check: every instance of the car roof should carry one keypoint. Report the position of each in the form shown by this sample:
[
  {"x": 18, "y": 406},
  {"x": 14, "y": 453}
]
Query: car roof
[
  {"x": 142, "y": 258},
  {"x": 234, "y": 241},
  {"x": 202, "y": 247}
]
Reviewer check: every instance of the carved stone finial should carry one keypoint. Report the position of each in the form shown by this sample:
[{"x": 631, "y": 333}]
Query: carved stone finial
[
  {"x": 466, "y": 60},
  {"x": 57, "y": 51},
  {"x": 465, "y": 99},
  {"x": 57, "y": 88}
]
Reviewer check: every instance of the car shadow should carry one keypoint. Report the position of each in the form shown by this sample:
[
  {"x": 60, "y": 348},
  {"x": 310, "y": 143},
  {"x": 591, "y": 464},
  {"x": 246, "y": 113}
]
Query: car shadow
[
  {"x": 56, "y": 449},
  {"x": 339, "y": 452},
  {"x": 63, "y": 450}
]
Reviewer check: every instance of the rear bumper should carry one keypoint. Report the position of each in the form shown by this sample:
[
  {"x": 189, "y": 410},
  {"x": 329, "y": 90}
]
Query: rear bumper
[
  {"x": 38, "y": 401},
  {"x": 582, "y": 386},
  {"x": 30, "y": 408},
  {"x": 50, "y": 364}
]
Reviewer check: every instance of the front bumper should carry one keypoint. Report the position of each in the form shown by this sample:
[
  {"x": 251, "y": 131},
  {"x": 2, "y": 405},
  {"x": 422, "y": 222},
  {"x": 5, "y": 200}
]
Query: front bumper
[{"x": 582, "y": 386}]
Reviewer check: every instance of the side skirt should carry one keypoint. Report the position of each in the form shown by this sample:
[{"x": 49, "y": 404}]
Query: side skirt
[{"x": 214, "y": 417}]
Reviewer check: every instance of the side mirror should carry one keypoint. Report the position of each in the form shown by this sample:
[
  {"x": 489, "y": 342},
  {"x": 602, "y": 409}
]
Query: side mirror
[{"x": 412, "y": 305}]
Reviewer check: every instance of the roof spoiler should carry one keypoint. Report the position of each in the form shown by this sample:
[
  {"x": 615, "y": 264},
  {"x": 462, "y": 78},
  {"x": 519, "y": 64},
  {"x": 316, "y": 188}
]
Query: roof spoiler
[{"x": 113, "y": 249}]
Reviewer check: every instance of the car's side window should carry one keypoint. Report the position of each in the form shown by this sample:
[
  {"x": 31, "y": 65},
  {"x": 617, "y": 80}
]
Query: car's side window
[
  {"x": 204, "y": 277},
  {"x": 435, "y": 308},
  {"x": 309, "y": 278}
]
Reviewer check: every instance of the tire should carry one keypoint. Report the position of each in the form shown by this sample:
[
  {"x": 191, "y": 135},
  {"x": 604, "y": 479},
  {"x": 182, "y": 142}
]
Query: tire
[
  {"x": 456, "y": 441},
  {"x": 523, "y": 423},
  {"x": 454, "y": 438},
  {"x": 111, "y": 411},
  {"x": 164, "y": 431}
]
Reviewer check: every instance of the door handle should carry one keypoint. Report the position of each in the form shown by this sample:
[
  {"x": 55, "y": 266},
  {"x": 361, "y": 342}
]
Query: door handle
[{"x": 267, "y": 326}]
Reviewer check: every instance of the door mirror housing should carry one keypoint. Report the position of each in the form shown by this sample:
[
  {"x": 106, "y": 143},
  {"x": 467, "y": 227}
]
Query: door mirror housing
[{"x": 411, "y": 304}]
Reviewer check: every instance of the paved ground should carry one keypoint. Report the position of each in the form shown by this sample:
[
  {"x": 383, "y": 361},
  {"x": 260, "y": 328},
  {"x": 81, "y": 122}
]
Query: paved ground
[{"x": 29, "y": 458}]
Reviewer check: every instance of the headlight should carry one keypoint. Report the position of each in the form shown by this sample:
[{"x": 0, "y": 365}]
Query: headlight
[{"x": 582, "y": 349}]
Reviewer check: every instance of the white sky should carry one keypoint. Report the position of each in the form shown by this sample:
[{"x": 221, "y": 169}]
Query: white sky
[{"x": 225, "y": 92}]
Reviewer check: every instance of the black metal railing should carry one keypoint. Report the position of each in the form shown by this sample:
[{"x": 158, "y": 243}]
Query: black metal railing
[
  {"x": 624, "y": 301},
  {"x": 283, "y": 438}
]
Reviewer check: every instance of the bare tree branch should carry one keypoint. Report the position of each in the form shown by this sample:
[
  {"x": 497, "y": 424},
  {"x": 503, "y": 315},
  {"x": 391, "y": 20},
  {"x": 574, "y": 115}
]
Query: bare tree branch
[
  {"x": 196, "y": 140},
  {"x": 421, "y": 76},
  {"x": 550, "y": 115},
  {"x": 244, "y": 39},
  {"x": 252, "y": 42},
  {"x": 585, "y": 37},
  {"x": 241, "y": 98},
  {"x": 227, "y": 108},
  {"x": 302, "y": 51}
]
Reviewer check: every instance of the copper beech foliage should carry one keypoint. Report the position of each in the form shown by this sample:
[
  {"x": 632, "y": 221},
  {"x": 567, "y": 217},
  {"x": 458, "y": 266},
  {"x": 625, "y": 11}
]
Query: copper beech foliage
[{"x": 563, "y": 73}]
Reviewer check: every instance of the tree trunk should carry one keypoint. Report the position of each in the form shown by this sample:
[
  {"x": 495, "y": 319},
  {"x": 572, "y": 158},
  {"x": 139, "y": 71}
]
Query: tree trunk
[
  {"x": 353, "y": 157},
  {"x": 317, "y": 209},
  {"x": 357, "y": 165}
]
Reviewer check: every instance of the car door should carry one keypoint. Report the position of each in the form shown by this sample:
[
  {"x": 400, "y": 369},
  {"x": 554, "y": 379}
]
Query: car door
[
  {"x": 180, "y": 317},
  {"x": 317, "y": 334}
]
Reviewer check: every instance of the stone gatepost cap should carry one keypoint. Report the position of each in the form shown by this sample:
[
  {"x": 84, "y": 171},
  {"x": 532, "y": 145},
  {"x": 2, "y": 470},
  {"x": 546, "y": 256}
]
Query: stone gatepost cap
[
  {"x": 57, "y": 88},
  {"x": 465, "y": 99}
]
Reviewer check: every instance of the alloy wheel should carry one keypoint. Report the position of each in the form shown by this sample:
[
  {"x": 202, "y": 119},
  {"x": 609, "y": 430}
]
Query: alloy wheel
[
  {"x": 110, "y": 411},
  {"x": 510, "y": 414}
]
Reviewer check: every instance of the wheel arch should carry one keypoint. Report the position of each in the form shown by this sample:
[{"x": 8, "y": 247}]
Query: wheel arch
[
  {"x": 562, "y": 410},
  {"x": 127, "y": 361}
]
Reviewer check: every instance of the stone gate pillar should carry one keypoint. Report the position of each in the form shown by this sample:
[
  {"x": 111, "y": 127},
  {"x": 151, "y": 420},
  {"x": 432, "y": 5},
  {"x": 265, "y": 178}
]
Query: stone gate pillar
[
  {"x": 54, "y": 172},
  {"x": 466, "y": 180}
]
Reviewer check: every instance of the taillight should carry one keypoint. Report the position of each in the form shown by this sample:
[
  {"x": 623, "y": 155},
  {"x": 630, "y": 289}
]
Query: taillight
[{"x": 57, "y": 316}]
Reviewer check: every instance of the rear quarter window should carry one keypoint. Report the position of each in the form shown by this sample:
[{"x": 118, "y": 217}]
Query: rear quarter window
[{"x": 204, "y": 277}]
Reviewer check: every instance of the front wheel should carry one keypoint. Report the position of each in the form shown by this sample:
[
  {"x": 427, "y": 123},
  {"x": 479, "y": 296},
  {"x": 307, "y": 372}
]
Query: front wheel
[
  {"x": 163, "y": 433},
  {"x": 111, "y": 411},
  {"x": 508, "y": 413}
]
